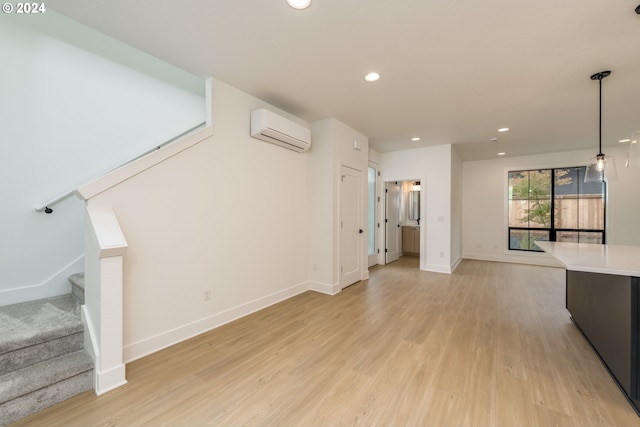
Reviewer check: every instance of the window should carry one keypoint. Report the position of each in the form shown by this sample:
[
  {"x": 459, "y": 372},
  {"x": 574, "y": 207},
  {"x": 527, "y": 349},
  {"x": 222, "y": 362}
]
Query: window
[{"x": 554, "y": 205}]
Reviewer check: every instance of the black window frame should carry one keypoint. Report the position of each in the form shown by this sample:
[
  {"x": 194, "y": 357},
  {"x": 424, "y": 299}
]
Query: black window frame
[{"x": 553, "y": 230}]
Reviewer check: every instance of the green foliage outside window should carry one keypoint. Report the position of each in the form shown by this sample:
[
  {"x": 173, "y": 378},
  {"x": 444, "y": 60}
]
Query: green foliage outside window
[{"x": 533, "y": 206}]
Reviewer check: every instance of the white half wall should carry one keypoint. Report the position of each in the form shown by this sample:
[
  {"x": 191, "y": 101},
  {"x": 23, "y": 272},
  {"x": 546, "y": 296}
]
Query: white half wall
[
  {"x": 105, "y": 246},
  {"x": 228, "y": 216}
]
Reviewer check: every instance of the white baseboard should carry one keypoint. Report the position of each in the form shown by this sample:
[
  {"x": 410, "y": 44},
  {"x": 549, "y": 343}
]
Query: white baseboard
[
  {"x": 110, "y": 379},
  {"x": 438, "y": 268},
  {"x": 325, "y": 288},
  {"x": 89, "y": 344},
  {"x": 541, "y": 259},
  {"x": 456, "y": 263},
  {"x": 166, "y": 339}
]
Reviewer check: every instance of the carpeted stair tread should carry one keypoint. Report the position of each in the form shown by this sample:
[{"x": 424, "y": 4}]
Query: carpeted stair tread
[
  {"x": 43, "y": 385},
  {"x": 36, "y": 377},
  {"x": 45, "y": 397},
  {"x": 42, "y": 360},
  {"x": 25, "y": 356},
  {"x": 77, "y": 286},
  {"x": 34, "y": 322},
  {"x": 77, "y": 279}
]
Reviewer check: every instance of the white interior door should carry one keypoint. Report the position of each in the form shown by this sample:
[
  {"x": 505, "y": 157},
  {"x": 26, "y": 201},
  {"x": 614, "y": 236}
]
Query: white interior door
[
  {"x": 392, "y": 222},
  {"x": 351, "y": 230}
]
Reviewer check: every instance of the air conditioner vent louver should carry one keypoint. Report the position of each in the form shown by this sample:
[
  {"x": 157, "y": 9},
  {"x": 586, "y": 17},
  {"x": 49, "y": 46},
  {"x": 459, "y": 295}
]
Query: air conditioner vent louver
[{"x": 270, "y": 127}]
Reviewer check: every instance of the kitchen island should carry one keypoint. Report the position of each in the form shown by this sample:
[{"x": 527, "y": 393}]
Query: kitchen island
[{"x": 602, "y": 297}]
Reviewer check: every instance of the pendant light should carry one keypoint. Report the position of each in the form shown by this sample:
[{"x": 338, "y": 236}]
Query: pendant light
[{"x": 601, "y": 167}]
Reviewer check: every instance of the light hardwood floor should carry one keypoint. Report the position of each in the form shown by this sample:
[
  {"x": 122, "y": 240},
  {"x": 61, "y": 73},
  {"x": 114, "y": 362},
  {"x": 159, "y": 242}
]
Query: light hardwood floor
[{"x": 490, "y": 345}]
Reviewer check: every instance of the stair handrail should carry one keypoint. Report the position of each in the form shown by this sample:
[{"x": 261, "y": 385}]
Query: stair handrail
[{"x": 46, "y": 206}]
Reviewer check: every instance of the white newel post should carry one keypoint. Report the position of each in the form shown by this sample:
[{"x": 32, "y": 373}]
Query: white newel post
[{"x": 105, "y": 246}]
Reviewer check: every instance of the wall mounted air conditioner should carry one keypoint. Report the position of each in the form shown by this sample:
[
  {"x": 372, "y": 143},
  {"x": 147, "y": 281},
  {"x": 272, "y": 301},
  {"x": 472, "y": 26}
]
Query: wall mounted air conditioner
[{"x": 271, "y": 127}]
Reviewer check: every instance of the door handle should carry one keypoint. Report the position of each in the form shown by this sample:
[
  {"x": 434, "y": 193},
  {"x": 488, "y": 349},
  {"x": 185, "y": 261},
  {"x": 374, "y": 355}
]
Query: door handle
[{"x": 360, "y": 231}]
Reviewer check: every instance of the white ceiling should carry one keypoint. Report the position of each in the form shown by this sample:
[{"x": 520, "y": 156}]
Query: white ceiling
[{"x": 453, "y": 71}]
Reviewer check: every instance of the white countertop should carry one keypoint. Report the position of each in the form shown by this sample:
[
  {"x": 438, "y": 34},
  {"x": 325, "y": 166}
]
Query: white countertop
[{"x": 595, "y": 258}]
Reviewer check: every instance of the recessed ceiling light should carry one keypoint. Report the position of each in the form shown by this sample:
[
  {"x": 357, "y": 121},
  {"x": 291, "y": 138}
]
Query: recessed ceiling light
[
  {"x": 501, "y": 154},
  {"x": 299, "y": 4},
  {"x": 372, "y": 77},
  {"x": 494, "y": 139},
  {"x": 625, "y": 140},
  {"x": 503, "y": 129},
  {"x": 415, "y": 139}
]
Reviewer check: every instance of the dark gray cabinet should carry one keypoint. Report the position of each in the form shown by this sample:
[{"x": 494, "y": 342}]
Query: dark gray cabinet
[{"x": 605, "y": 308}]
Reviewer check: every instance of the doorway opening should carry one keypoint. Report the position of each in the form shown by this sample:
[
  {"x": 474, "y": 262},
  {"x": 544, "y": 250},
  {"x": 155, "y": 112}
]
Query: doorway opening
[{"x": 403, "y": 206}]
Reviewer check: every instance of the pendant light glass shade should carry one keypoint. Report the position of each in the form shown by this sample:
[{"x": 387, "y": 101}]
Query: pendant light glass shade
[
  {"x": 592, "y": 174},
  {"x": 633, "y": 157},
  {"x": 601, "y": 168}
]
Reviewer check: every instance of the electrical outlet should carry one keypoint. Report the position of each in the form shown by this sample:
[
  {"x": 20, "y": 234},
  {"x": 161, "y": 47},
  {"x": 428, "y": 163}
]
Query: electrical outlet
[{"x": 206, "y": 295}]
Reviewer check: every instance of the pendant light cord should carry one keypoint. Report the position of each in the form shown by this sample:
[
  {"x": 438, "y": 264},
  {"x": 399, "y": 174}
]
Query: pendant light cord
[
  {"x": 600, "y": 119},
  {"x": 599, "y": 76}
]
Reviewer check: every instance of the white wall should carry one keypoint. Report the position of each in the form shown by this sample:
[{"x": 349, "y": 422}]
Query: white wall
[
  {"x": 485, "y": 194},
  {"x": 456, "y": 208},
  {"x": 74, "y": 103},
  {"x": 332, "y": 147},
  {"x": 374, "y": 156},
  {"x": 229, "y": 215},
  {"x": 433, "y": 166},
  {"x": 322, "y": 215}
]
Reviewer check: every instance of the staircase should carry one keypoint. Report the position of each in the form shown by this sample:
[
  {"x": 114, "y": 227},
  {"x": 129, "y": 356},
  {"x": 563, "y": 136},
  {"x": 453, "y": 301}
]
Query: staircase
[{"x": 42, "y": 359}]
